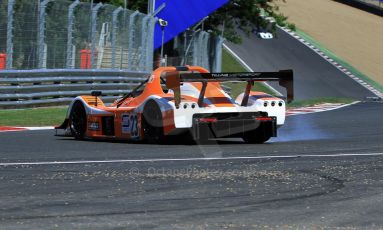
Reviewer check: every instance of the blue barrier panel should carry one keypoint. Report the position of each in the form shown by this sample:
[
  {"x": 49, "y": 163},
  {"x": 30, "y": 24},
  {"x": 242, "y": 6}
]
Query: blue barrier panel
[{"x": 182, "y": 14}]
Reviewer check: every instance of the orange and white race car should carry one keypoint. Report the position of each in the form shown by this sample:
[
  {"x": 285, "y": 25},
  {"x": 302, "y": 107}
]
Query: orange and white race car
[{"x": 185, "y": 101}]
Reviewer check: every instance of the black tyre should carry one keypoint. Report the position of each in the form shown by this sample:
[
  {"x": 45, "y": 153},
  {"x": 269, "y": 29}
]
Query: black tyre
[
  {"x": 258, "y": 136},
  {"x": 152, "y": 123},
  {"x": 77, "y": 120}
]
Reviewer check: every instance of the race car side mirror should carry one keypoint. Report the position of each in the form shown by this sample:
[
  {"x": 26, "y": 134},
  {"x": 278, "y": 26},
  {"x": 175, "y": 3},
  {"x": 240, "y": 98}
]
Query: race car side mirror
[
  {"x": 96, "y": 93},
  {"x": 173, "y": 82}
]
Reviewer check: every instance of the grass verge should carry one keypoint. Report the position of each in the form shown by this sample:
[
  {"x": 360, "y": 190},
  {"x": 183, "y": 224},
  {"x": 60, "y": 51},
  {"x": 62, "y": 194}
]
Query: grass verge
[
  {"x": 33, "y": 117},
  {"x": 333, "y": 56}
]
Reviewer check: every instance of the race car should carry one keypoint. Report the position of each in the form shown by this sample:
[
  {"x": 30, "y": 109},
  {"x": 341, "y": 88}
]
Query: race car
[
  {"x": 264, "y": 34},
  {"x": 187, "y": 102}
]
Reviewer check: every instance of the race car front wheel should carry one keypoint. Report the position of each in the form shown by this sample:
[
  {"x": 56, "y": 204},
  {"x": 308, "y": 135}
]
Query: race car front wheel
[
  {"x": 152, "y": 123},
  {"x": 77, "y": 119}
]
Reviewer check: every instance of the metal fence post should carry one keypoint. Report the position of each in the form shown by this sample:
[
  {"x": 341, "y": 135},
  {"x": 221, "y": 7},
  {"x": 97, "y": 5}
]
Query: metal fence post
[
  {"x": 205, "y": 50},
  {"x": 186, "y": 47},
  {"x": 114, "y": 35},
  {"x": 217, "y": 66},
  {"x": 41, "y": 34},
  {"x": 69, "y": 48},
  {"x": 144, "y": 36},
  {"x": 201, "y": 49},
  {"x": 150, "y": 44},
  {"x": 195, "y": 49},
  {"x": 195, "y": 57},
  {"x": 9, "y": 64},
  {"x": 93, "y": 34},
  {"x": 132, "y": 29}
]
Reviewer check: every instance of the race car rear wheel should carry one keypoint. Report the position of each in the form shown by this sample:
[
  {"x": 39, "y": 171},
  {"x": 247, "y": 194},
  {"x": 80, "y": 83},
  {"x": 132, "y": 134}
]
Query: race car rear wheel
[
  {"x": 152, "y": 123},
  {"x": 77, "y": 120},
  {"x": 258, "y": 136}
]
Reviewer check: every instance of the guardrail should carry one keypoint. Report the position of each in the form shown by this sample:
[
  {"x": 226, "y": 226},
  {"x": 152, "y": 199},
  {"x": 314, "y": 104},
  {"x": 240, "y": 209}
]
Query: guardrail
[
  {"x": 374, "y": 7},
  {"x": 27, "y": 88},
  {"x": 378, "y": 3}
]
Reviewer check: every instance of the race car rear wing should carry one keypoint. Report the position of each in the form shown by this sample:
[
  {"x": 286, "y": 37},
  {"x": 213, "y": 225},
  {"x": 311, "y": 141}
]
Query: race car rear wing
[{"x": 284, "y": 78}]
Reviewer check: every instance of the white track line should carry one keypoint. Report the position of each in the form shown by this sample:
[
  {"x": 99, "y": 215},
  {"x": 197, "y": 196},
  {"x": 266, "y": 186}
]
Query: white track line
[
  {"x": 244, "y": 64},
  {"x": 190, "y": 159},
  {"x": 38, "y": 128},
  {"x": 18, "y": 129}
]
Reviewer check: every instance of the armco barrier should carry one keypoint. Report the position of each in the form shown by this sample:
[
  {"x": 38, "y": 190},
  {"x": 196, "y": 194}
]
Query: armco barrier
[
  {"x": 360, "y": 4},
  {"x": 27, "y": 88}
]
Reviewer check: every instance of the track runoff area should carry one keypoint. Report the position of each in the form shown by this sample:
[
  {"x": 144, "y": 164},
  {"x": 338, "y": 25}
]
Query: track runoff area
[{"x": 324, "y": 171}]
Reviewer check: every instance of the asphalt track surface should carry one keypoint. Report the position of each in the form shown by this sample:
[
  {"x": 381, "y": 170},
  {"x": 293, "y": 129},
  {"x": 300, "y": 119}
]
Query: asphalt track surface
[
  {"x": 325, "y": 170},
  {"x": 314, "y": 76}
]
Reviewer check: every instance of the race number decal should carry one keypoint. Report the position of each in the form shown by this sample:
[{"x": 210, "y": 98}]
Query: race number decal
[
  {"x": 134, "y": 129},
  {"x": 125, "y": 123},
  {"x": 130, "y": 124}
]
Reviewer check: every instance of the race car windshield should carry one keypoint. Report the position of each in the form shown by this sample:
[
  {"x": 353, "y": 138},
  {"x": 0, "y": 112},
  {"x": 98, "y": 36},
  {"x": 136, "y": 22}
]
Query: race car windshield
[{"x": 138, "y": 89}]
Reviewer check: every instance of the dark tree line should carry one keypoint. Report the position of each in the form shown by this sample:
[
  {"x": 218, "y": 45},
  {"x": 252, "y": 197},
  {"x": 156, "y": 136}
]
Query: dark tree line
[{"x": 236, "y": 14}]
